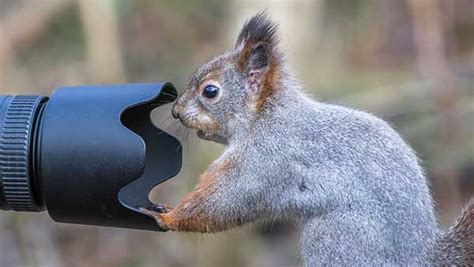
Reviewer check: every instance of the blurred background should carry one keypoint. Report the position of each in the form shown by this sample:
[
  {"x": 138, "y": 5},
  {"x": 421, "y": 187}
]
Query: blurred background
[{"x": 410, "y": 62}]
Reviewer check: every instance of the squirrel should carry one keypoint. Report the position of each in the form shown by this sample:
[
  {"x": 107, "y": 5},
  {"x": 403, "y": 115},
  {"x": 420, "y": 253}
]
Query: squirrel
[{"x": 345, "y": 178}]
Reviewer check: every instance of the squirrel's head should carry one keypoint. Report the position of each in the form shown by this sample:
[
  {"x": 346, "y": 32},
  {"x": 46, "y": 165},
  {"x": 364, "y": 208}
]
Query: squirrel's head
[{"x": 230, "y": 92}]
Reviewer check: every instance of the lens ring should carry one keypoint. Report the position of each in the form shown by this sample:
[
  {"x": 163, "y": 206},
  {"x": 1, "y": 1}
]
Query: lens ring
[{"x": 15, "y": 143}]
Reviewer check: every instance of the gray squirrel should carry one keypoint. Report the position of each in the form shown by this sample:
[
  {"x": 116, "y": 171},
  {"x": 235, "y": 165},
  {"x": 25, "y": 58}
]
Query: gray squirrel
[{"x": 345, "y": 178}]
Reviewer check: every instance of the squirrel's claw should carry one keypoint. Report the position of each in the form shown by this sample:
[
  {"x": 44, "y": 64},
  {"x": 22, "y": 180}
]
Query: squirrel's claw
[
  {"x": 156, "y": 211},
  {"x": 161, "y": 208}
]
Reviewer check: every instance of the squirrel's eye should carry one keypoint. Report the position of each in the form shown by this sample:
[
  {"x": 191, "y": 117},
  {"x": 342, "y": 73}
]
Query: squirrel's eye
[{"x": 210, "y": 91}]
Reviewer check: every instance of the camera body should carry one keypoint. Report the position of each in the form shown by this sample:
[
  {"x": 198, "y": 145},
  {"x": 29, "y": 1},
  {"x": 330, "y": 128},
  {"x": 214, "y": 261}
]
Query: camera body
[{"x": 87, "y": 154}]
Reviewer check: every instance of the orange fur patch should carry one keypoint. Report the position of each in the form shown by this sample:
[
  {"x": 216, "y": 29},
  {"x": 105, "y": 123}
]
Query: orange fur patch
[
  {"x": 271, "y": 77},
  {"x": 243, "y": 58},
  {"x": 269, "y": 85},
  {"x": 190, "y": 215}
]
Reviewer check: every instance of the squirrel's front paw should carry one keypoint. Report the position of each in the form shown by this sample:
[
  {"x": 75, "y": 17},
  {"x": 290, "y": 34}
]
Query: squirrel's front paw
[{"x": 157, "y": 211}]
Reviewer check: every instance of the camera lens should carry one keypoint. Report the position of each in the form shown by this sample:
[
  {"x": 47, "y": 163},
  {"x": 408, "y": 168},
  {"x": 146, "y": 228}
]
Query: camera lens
[
  {"x": 88, "y": 154},
  {"x": 19, "y": 116}
]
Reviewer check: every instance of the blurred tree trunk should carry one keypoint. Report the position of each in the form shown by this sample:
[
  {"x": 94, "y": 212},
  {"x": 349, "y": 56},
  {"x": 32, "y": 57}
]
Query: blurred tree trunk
[
  {"x": 21, "y": 28},
  {"x": 298, "y": 23},
  {"x": 432, "y": 63},
  {"x": 9, "y": 248},
  {"x": 6, "y": 58},
  {"x": 37, "y": 238},
  {"x": 99, "y": 19}
]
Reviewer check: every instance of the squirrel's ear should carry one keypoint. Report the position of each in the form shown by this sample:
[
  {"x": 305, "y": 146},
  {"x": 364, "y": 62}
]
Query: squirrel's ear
[
  {"x": 257, "y": 44},
  {"x": 259, "y": 57}
]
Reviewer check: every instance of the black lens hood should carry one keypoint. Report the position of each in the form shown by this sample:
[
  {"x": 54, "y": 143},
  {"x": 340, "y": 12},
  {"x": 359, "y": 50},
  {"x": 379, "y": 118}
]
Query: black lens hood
[{"x": 93, "y": 153}]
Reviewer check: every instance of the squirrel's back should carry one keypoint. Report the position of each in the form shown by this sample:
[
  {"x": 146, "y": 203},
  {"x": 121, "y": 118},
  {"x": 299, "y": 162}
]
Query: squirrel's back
[
  {"x": 379, "y": 178},
  {"x": 359, "y": 184},
  {"x": 455, "y": 246}
]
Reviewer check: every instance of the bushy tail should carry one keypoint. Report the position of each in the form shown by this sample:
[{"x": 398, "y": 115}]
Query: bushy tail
[{"x": 456, "y": 245}]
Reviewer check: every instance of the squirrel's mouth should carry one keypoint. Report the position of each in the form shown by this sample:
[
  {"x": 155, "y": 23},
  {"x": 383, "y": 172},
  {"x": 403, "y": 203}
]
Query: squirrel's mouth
[
  {"x": 211, "y": 137},
  {"x": 208, "y": 134}
]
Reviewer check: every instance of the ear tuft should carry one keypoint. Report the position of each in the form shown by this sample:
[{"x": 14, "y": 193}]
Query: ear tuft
[
  {"x": 259, "y": 29},
  {"x": 257, "y": 44}
]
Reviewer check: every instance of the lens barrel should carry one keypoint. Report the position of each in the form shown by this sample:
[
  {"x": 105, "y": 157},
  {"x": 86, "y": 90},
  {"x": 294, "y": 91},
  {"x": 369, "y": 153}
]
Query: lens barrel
[{"x": 18, "y": 125}]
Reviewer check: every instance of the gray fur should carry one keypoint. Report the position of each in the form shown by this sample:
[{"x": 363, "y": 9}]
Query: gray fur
[{"x": 346, "y": 178}]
